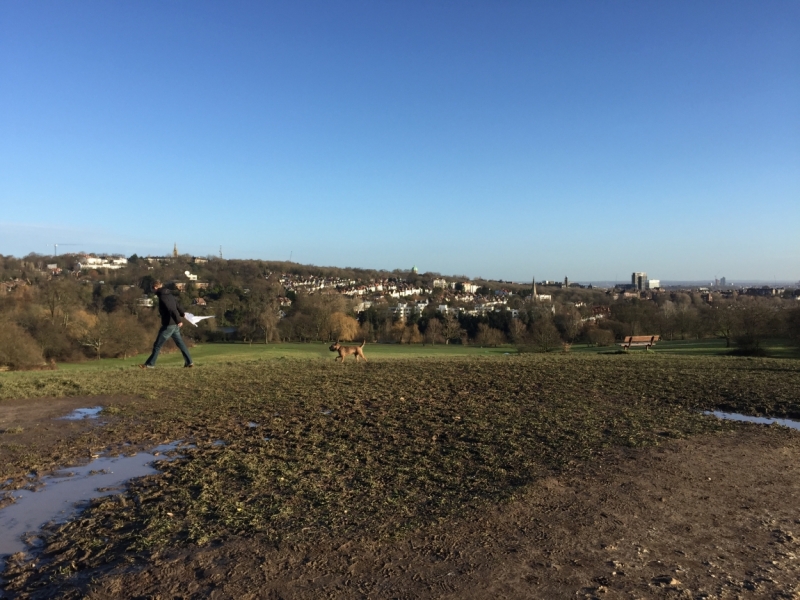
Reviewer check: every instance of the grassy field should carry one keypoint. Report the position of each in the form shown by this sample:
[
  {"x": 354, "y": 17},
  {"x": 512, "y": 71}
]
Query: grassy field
[
  {"x": 387, "y": 446},
  {"x": 205, "y": 354},
  {"x": 226, "y": 352}
]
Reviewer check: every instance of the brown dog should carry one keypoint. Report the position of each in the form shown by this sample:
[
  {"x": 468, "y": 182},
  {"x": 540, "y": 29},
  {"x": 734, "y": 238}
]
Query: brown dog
[{"x": 348, "y": 350}]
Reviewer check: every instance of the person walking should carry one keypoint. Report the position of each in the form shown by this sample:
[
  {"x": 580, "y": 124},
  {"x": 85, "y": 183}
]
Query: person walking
[{"x": 171, "y": 314}]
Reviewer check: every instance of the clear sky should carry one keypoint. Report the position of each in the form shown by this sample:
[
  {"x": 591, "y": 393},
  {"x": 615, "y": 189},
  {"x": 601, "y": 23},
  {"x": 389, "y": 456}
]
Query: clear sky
[{"x": 500, "y": 139}]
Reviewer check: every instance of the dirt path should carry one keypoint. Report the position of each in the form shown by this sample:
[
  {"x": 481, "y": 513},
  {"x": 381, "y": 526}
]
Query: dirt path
[{"x": 709, "y": 517}]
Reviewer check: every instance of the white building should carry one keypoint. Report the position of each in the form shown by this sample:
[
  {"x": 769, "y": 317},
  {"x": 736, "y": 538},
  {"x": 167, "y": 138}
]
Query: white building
[
  {"x": 402, "y": 310},
  {"x": 103, "y": 262}
]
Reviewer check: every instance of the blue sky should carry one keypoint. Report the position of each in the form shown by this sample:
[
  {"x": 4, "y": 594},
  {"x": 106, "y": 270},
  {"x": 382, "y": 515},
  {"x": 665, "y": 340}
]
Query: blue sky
[{"x": 497, "y": 139}]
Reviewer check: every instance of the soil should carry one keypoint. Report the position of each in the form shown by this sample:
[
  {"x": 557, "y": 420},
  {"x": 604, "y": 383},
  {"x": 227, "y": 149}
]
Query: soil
[
  {"x": 706, "y": 517},
  {"x": 40, "y": 422},
  {"x": 698, "y": 518}
]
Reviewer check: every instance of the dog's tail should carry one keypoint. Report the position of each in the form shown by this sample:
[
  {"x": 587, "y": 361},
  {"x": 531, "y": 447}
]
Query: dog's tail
[{"x": 364, "y": 342}]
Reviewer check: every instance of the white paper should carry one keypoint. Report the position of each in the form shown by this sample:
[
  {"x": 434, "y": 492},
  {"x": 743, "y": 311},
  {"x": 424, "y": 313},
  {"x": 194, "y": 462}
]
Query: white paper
[{"x": 194, "y": 320}]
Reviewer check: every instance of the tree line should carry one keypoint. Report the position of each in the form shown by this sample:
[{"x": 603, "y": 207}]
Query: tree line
[{"x": 45, "y": 319}]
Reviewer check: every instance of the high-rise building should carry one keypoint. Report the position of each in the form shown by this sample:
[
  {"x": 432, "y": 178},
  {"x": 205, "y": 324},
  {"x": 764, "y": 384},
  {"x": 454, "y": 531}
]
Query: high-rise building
[{"x": 639, "y": 281}]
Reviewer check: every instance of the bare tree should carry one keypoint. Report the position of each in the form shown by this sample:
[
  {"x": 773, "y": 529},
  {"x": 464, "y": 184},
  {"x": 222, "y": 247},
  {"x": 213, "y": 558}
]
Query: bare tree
[
  {"x": 451, "y": 329},
  {"x": 517, "y": 331},
  {"x": 433, "y": 333},
  {"x": 98, "y": 335},
  {"x": 126, "y": 336},
  {"x": 545, "y": 335},
  {"x": 489, "y": 336},
  {"x": 342, "y": 327}
]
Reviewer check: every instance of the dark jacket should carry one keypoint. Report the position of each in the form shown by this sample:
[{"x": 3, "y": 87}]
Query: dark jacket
[{"x": 168, "y": 307}]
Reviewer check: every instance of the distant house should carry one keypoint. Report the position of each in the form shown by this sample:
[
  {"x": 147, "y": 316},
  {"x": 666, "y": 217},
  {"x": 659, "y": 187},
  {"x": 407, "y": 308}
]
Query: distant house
[
  {"x": 402, "y": 310},
  {"x": 145, "y": 301},
  {"x": 764, "y": 291},
  {"x": 102, "y": 262},
  {"x": 199, "y": 301},
  {"x": 199, "y": 260}
]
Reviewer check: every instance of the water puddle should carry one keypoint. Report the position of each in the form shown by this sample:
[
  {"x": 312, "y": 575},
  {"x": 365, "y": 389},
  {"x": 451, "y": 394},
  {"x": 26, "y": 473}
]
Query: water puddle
[
  {"x": 219, "y": 443},
  {"x": 749, "y": 419},
  {"x": 252, "y": 425},
  {"x": 58, "y": 497},
  {"x": 83, "y": 413}
]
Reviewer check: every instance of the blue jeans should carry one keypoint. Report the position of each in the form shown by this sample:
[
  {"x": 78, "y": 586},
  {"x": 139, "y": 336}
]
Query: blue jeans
[{"x": 170, "y": 331}]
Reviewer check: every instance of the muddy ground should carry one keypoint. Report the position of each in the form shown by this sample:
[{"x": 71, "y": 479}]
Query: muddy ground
[
  {"x": 41, "y": 421},
  {"x": 706, "y": 517}
]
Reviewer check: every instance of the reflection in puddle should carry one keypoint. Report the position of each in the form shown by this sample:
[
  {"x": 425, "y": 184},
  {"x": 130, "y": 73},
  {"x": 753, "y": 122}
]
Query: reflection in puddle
[
  {"x": 218, "y": 443},
  {"x": 57, "y": 495},
  {"x": 83, "y": 413},
  {"x": 761, "y": 420},
  {"x": 252, "y": 425}
]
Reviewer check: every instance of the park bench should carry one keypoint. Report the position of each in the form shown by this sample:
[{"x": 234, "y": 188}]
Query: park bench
[{"x": 639, "y": 340}]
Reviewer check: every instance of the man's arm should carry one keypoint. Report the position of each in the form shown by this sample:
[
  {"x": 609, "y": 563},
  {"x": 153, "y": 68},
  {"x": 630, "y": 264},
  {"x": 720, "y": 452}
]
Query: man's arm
[{"x": 180, "y": 311}]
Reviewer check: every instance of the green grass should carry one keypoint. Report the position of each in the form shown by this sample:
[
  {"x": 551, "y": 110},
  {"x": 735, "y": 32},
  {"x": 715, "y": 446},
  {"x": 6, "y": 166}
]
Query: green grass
[{"x": 204, "y": 354}]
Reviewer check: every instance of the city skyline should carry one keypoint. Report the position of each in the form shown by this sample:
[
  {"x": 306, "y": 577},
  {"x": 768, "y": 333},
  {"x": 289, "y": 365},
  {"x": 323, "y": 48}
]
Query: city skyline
[
  {"x": 470, "y": 138},
  {"x": 722, "y": 281}
]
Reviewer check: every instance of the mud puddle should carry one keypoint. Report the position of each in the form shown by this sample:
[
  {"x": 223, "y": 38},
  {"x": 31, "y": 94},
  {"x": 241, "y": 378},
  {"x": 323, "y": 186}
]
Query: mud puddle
[
  {"x": 748, "y": 419},
  {"x": 83, "y": 413},
  {"x": 59, "y": 497}
]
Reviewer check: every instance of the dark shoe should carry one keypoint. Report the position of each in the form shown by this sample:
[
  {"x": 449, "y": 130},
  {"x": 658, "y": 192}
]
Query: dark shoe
[{"x": 191, "y": 366}]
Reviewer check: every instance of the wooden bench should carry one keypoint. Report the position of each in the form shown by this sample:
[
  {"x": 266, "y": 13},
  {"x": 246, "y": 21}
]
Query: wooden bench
[{"x": 647, "y": 341}]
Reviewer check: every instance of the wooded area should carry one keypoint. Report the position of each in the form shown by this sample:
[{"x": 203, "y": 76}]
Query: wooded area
[{"x": 61, "y": 313}]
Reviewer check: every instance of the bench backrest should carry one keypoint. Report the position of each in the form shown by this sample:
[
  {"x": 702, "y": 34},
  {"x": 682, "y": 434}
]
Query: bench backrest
[{"x": 641, "y": 338}]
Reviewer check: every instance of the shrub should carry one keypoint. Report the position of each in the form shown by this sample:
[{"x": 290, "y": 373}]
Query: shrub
[
  {"x": 18, "y": 350},
  {"x": 601, "y": 337}
]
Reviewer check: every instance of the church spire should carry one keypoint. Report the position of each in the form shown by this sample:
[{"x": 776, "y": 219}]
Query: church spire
[{"x": 175, "y": 250}]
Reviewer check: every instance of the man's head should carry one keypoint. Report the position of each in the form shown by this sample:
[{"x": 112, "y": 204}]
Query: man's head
[{"x": 157, "y": 285}]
